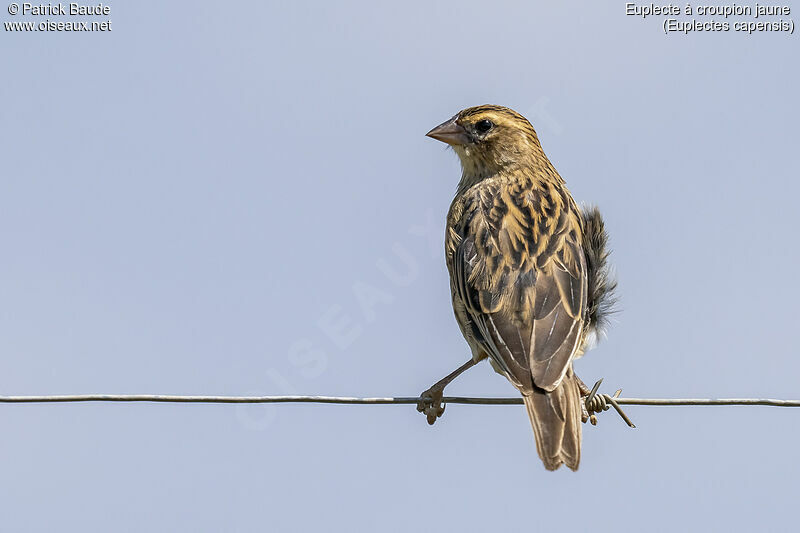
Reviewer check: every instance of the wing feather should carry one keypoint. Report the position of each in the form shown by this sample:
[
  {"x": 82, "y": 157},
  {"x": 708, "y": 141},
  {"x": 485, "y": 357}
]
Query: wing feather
[{"x": 521, "y": 275}]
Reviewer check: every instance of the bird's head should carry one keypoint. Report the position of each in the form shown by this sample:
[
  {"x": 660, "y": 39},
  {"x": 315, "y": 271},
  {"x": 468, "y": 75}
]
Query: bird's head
[{"x": 489, "y": 139}]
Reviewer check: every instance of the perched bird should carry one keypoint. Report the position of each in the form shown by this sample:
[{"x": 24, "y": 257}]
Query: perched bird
[{"x": 528, "y": 273}]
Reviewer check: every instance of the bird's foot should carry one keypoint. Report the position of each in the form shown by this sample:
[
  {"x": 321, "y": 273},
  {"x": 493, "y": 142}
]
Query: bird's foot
[
  {"x": 430, "y": 403},
  {"x": 595, "y": 403}
]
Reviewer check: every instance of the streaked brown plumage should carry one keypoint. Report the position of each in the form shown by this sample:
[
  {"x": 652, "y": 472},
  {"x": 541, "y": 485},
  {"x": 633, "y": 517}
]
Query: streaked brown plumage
[{"x": 528, "y": 272}]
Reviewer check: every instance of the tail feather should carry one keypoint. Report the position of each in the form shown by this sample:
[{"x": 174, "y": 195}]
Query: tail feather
[{"x": 556, "y": 420}]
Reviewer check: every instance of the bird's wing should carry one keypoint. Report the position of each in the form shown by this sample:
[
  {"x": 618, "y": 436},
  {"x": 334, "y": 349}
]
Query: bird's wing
[{"x": 520, "y": 271}]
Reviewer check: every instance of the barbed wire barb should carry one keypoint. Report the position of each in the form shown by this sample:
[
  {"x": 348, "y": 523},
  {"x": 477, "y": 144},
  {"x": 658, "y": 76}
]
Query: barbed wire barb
[{"x": 597, "y": 403}]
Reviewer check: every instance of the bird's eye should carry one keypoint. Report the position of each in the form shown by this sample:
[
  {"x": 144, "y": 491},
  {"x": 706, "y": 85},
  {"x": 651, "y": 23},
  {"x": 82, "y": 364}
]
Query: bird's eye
[{"x": 483, "y": 126}]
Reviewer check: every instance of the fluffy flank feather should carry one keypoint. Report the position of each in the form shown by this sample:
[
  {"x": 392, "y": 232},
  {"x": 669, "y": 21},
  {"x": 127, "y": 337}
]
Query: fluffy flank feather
[{"x": 601, "y": 283}]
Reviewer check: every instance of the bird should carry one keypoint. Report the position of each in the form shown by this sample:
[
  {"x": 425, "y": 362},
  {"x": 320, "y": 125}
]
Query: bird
[{"x": 530, "y": 279}]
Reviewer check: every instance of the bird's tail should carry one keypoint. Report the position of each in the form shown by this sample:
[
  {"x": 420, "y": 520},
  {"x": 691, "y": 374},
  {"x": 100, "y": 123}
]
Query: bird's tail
[{"x": 556, "y": 420}]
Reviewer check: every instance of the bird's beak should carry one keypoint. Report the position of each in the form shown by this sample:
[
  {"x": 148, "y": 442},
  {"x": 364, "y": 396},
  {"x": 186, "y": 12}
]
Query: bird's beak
[{"x": 450, "y": 132}]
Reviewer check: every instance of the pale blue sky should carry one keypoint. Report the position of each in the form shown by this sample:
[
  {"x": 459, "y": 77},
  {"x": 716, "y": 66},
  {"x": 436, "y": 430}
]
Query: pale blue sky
[{"x": 201, "y": 200}]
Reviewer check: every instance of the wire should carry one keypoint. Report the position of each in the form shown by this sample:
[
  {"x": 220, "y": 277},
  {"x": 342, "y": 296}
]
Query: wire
[{"x": 402, "y": 400}]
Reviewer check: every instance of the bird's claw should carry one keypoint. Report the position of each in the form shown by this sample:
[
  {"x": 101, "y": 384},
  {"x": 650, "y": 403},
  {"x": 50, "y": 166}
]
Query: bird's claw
[
  {"x": 430, "y": 404},
  {"x": 595, "y": 403}
]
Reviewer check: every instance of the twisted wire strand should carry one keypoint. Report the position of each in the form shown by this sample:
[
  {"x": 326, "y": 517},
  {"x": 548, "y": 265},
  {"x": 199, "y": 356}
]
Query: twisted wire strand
[
  {"x": 593, "y": 403},
  {"x": 401, "y": 400}
]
